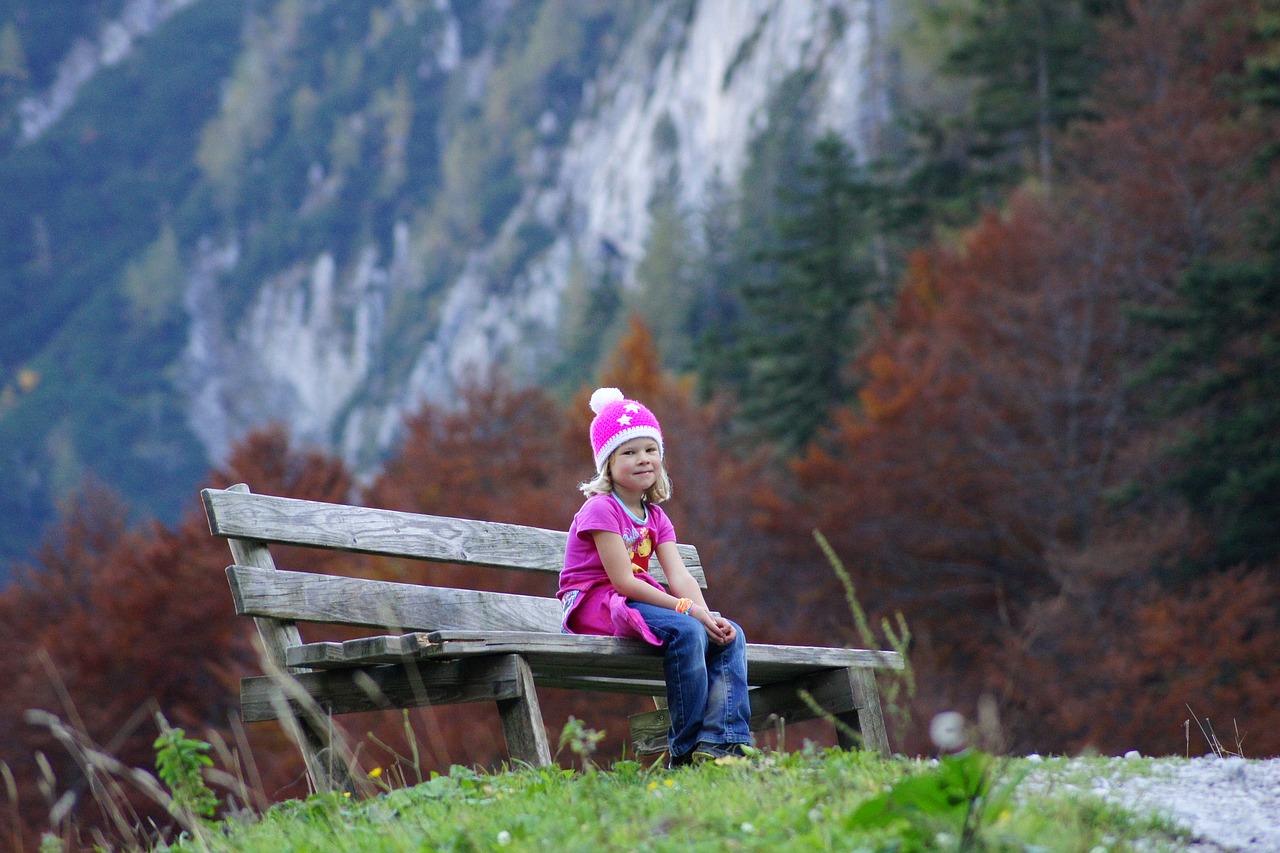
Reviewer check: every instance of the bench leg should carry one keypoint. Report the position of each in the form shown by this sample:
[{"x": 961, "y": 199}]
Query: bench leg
[
  {"x": 867, "y": 716},
  {"x": 327, "y": 769},
  {"x": 522, "y": 721}
]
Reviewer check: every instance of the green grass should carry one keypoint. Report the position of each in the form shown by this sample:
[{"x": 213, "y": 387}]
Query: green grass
[{"x": 810, "y": 800}]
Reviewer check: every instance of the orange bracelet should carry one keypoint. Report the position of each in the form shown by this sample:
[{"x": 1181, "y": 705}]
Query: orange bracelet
[{"x": 684, "y": 605}]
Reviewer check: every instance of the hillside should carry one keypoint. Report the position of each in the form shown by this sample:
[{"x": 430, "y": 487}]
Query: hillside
[{"x": 224, "y": 214}]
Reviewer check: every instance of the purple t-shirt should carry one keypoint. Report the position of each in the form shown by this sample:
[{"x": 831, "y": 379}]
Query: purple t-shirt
[{"x": 591, "y": 604}]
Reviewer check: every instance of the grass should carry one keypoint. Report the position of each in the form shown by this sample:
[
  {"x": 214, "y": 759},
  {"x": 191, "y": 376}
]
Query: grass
[{"x": 809, "y": 800}]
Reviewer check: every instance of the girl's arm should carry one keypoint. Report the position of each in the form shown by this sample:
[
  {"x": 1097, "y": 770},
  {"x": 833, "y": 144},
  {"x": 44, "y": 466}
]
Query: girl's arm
[
  {"x": 683, "y": 584},
  {"x": 617, "y": 564},
  {"x": 679, "y": 580}
]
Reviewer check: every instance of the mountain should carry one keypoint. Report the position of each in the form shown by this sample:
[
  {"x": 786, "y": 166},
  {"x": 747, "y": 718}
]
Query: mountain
[{"x": 223, "y": 214}]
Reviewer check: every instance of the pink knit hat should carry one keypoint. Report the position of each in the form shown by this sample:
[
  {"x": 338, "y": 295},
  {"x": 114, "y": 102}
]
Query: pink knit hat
[{"x": 617, "y": 421}]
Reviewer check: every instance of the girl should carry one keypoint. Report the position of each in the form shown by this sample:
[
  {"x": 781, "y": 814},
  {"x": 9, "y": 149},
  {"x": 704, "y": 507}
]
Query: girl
[{"x": 606, "y": 587}]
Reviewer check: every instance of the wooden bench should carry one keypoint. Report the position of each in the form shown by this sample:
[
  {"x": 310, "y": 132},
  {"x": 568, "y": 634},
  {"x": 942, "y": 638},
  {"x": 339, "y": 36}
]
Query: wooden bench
[{"x": 447, "y": 645}]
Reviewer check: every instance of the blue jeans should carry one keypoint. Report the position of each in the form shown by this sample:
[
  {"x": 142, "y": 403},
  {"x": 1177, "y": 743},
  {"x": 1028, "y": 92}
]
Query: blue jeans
[{"x": 706, "y": 682}]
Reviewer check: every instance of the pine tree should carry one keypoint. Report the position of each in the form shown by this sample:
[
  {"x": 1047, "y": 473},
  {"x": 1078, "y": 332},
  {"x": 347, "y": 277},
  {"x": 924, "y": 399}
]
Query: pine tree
[
  {"x": 1030, "y": 64},
  {"x": 669, "y": 288},
  {"x": 1226, "y": 364},
  {"x": 13, "y": 60},
  {"x": 718, "y": 311},
  {"x": 1225, "y": 358},
  {"x": 801, "y": 311}
]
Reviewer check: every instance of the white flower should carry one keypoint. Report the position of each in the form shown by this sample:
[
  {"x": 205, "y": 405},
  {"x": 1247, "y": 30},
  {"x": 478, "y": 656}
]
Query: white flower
[
  {"x": 504, "y": 838},
  {"x": 947, "y": 731}
]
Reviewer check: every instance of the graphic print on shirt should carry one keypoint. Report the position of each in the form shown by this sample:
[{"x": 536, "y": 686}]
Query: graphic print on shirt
[{"x": 639, "y": 542}]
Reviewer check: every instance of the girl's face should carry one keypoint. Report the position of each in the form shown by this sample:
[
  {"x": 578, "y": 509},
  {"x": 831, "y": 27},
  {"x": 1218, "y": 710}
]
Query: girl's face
[{"x": 634, "y": 466}]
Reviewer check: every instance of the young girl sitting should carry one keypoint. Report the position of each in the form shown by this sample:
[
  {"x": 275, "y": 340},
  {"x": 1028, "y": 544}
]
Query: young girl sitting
[{"x": 606, "y": 587}]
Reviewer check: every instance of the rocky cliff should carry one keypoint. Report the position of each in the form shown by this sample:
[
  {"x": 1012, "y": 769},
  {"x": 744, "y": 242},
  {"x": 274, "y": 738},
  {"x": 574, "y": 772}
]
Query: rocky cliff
[
  {"x": 691, "y": 89},
  {"x": 224, "y": 214}
]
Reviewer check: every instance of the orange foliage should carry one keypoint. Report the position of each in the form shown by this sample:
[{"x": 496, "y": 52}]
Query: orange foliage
[
  {"x": 1164, "y": 168},
  {"x": 995, "y": 422},
  {"x": 113, "y": 625},
  {"x": 1128, "y": 665}
]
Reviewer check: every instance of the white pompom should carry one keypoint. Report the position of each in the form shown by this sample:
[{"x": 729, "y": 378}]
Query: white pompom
[{"x": 603, "y": 397}]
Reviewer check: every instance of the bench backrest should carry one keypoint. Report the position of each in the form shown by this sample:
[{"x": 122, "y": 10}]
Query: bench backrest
[{"x": 251, "y": 521}]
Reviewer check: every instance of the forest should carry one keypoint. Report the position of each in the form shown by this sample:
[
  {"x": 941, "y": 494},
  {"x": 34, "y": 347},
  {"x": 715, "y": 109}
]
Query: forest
[{"x": 1022, "y": 374}]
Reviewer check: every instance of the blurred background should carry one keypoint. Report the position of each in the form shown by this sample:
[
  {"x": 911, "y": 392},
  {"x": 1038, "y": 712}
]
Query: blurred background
[{"x": 986, "y": 293}]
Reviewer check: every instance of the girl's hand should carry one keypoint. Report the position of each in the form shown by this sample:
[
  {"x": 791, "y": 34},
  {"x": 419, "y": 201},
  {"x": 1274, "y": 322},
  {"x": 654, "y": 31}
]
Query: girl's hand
[{"x": 719, "y": 629}]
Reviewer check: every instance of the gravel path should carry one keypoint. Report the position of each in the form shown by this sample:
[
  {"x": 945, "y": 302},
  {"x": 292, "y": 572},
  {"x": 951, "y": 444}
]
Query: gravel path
[{"x": 1227, "y": 804}]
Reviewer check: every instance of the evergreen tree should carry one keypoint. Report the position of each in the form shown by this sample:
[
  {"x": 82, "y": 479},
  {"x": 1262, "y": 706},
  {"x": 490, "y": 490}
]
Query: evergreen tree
[
  {"x": 13, "y": 61},
  {"x": 718, "y": 312},
  {"x": 1030, "y": 64},
  {"x": 668, "y": 283},
  {"x": 1225, "y": 360},
  {"x": 738, "y": 226},
  {"x": 800, "y": 315}
]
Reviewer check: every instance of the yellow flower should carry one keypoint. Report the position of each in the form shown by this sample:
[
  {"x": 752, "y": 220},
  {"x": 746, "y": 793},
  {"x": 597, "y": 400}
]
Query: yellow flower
[
  {"x": 653, "y": 786},
  {"x": 375, "y": 773}
]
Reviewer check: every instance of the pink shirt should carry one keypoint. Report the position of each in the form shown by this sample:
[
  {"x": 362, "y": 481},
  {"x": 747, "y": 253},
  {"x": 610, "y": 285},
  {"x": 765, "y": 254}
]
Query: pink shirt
[{"x": 591, "y": 604}]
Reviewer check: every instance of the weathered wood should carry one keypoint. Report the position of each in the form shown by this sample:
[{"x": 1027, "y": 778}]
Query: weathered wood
[
  {"x": 564, "y": 654},
  {"x": 376, "y": 688},
  {"x": 868, "y": 718},
  {"x": 304, "y": 597},
  {"x": 391, "y": 533},
  {"x": 327, "y": 771},
  {"x": 521, "y": 716}
]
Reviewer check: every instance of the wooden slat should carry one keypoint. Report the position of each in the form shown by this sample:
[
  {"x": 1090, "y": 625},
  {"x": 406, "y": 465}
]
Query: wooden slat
[
  {"x": 599, "y": 684},
  {"x": 568, "y": 660},
  {"x": 397, "y": 534},
  {"x": 303, "y": 597},
  {"x": 448, "y": 643},
  {"x": 382, "y": 687}
]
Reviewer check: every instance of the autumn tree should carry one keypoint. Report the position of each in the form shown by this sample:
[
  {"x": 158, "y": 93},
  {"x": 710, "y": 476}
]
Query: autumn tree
[
  {"x": 112, "y": 624},
  {"x": 997, "y": 471}
]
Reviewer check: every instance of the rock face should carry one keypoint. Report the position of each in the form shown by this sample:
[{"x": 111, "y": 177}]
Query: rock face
[
  {"x": 690, "y": 90},
  {"x": 87, "y": 57}
]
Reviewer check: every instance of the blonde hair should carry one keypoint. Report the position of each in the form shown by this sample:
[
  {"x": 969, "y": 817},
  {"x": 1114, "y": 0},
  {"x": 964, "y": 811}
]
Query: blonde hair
[{"x": 602, "y": 483}]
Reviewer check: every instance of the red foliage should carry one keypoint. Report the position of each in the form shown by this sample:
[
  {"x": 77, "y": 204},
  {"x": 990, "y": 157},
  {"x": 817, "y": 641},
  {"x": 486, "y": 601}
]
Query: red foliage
[
  {"x": 1117, "y": 665},
  {"x": 973, "y": 486},
  {"x": 113, "y": 625}
]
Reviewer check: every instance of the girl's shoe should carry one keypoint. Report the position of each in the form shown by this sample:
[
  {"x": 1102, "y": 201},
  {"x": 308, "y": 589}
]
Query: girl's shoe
[
  {"x": 726, "y": 750},
  {"x": 700, "y": 754},
  {"x": 705, "y": 752}
]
